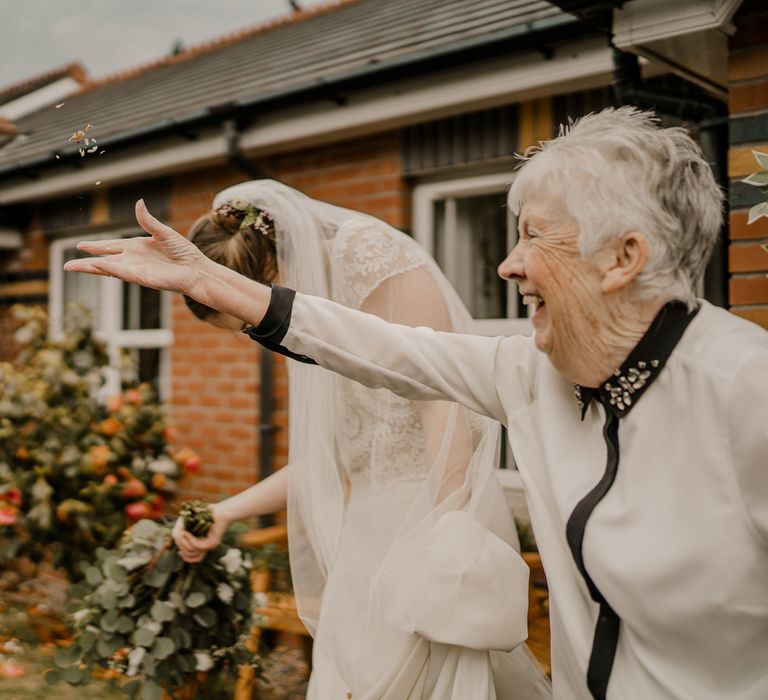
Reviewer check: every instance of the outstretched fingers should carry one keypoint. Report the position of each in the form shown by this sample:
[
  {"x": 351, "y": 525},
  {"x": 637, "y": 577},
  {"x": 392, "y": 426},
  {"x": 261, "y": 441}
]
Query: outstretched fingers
[
  {"x": 94, "y": 266},
  {"x": 157, "y": 229},
  {"x": 110, "y": 247}
]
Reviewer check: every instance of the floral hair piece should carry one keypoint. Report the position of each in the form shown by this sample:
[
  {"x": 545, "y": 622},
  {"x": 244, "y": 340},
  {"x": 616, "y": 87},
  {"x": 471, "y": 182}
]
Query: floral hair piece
[{"x": 253, "y": 217}]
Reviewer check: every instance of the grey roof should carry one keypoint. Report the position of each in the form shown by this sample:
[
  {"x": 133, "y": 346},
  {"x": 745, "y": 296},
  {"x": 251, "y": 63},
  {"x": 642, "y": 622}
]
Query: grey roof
[
  {"x": 17, "y": 90},
  {"x": 324, "y": 47}
]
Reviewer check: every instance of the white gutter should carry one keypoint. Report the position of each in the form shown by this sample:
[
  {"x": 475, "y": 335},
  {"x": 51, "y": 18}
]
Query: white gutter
[
  {"x": 573, "y": 67},
  {"x": 688, "y": 36}
]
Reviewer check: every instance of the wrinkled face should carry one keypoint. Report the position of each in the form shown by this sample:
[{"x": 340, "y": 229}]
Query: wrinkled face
[{"x": 552, "y": 276}]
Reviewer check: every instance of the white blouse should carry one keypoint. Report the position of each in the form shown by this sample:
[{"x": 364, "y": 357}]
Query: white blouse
[{"x": 663, "y": 494}]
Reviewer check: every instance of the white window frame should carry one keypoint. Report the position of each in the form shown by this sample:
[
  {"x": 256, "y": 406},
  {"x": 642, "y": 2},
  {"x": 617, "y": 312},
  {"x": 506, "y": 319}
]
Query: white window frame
[
  {"x": 424, "y": 197},
  {"x": 110, "y": 314}
]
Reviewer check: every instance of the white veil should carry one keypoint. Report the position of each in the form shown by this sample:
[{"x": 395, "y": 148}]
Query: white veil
[{"x": 445, "y": 456}]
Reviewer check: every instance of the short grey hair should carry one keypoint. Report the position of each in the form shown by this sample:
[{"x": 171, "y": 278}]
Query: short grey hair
[{"x": 617, "y": 171}]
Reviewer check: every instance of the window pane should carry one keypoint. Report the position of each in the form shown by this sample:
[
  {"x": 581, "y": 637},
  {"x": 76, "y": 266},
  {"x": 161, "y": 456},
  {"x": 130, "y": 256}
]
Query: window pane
[
  {"x": 82, "y": 289},
  {"x": 144, "y": 367},
  {"x": 482, "y": 223},
  {"x": 141, "y": 308},
  {"x": 471, "y": 239}
]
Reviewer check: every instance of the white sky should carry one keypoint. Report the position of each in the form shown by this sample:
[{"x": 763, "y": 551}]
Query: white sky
[{"x": 109, "y": 35}]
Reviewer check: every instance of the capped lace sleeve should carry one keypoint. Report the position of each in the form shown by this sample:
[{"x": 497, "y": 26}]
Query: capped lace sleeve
[{"x": 365, "y": 253}]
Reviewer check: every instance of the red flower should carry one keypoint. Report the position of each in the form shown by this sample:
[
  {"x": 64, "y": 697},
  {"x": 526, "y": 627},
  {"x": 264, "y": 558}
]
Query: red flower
[
  {"x": 110, "y": 479},
  {"x": 158, "y": 503},
  {"x": 12, "y": 495},
  {"x": 193, "y": 464},
  {"x": 138, "y": 510},
  {"x": 8, "y": 515},
  {"x": 134, "y": 489}
]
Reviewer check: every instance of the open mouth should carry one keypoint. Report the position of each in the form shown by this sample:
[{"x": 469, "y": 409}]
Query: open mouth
[{"x": 534, "y": 299}]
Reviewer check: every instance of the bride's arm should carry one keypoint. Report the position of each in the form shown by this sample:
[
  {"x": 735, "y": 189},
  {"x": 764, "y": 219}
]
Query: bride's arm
[
  {"x": 268, "y": 496},
  {"x": 448, "y": 444}
]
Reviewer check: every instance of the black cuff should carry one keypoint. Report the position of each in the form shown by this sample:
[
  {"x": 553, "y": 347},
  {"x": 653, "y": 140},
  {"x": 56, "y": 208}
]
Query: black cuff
[{"x": 275, "y": 324}]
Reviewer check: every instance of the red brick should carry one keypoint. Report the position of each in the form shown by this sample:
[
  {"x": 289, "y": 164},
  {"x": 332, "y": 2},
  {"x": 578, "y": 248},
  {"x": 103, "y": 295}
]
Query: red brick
[
  {"x": 752, "y": 290},
  {"x": 747, "y": 258},
  {"x": 744, "y": 65},
  {"x": 739, "y": 229},
  {"x": 758, "y": 315},
  {"x": 752, "y": 96}
]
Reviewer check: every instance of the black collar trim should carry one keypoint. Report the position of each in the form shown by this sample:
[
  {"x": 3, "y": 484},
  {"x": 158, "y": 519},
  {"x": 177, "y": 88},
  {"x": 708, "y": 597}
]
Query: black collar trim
[{"x": 620, "y": 392}]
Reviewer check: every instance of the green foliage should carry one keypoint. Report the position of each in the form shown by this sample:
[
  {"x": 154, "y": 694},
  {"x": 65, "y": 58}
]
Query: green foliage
[
  {"x": 75, "y": 469},
  {"x": 156, "y": 619},
  {"x": 759, "y": 180}
]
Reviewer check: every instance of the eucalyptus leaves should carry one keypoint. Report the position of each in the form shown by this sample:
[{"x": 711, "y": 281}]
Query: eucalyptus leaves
[
  {"x": 156, "y": 620},
  {"x": 760, "y": 180}
]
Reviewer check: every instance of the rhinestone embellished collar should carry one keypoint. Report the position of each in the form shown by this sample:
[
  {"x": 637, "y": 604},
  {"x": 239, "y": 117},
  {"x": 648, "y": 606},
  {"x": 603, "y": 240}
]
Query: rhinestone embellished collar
[{"x": 620, "y": 392}]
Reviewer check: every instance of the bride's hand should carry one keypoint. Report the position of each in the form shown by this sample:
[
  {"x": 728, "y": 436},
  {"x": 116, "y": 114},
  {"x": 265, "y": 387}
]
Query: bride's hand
[
  {"x": 193, "y": 549},
  {"x": 163, "y": 260}
]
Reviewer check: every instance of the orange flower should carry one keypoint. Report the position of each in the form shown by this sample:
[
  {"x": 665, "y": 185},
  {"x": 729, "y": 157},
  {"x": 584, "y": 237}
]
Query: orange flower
[
  {"x": 98, "y": 456},
  {"x": 125, "y": 473},
  {"x": 22, "y": 453},
  {"x": 115, "y": 403},
  {"x": 110, "y": 479},
  {"x": 110, "y": 426},
  {"x": 159, "y": 482},
  {"x": 133, "y": 396}
]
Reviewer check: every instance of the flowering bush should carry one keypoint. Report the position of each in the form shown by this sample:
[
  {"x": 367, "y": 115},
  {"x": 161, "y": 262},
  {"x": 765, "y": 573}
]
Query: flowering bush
[
  {"x": 156, "y": 620},
  {"x": 75, "y": 471}
]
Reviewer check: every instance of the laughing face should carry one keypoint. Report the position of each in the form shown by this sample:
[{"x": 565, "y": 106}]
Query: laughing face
[{"x": 551, "y": 274}]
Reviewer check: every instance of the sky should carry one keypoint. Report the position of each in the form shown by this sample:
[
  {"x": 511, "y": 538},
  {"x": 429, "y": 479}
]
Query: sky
[{"x": 107, "y": 36}]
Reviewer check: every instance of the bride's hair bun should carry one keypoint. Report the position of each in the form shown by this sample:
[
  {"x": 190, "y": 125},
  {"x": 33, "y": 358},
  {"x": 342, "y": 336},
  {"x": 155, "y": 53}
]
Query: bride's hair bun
[
  {"x": 240, "y": 216},
  {"x": 228, "y": 218}
]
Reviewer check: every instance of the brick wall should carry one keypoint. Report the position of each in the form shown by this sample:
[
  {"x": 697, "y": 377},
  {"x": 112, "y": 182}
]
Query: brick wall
[
  {"x": 215, "y": 374},
  {"x": 748, "y": 102}
]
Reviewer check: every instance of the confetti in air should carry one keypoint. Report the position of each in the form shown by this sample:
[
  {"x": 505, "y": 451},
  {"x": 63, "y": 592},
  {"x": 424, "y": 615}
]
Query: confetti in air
[
  {"x": 60, "y": 105},
  {"x": 98, "y": 182},
  {"x": 87, "y": 143}
]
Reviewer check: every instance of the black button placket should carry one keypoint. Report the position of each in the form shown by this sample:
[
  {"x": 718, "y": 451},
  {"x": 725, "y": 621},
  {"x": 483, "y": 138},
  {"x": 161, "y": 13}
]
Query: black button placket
[
  {"x": 606, "y": 636},
  {"x": 618, "y": 396}
]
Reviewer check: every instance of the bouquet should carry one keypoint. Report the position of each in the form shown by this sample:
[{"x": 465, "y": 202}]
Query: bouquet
[{"x": 157, "y": 621}]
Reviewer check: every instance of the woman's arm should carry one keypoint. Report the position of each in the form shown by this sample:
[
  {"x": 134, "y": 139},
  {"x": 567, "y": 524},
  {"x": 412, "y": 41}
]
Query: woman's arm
[
  {"x": 417, "y": 363},
  {"x": 166, "y": 260},
  {"x": 268, "y": 496}
]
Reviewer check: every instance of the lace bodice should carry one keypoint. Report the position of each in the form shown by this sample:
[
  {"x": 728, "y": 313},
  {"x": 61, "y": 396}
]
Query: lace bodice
[{"x": 381, "y": 440}]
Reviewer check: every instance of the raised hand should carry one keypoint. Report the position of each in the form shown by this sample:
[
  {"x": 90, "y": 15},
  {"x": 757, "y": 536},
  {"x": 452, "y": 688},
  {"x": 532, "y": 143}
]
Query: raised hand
[{"x": 163, "y": 260}]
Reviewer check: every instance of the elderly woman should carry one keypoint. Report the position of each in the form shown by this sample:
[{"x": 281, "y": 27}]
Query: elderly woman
[{"x": 635, "y": 414}]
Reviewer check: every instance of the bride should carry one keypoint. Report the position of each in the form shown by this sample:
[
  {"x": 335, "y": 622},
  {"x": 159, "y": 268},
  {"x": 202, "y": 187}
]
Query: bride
[{"x": 403, "y": 550}]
